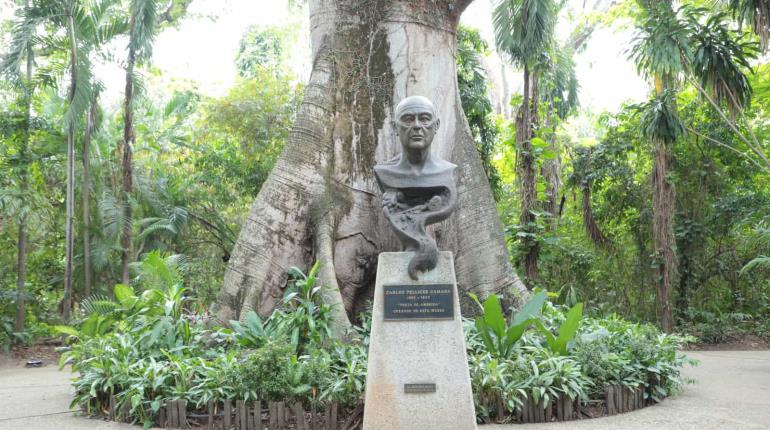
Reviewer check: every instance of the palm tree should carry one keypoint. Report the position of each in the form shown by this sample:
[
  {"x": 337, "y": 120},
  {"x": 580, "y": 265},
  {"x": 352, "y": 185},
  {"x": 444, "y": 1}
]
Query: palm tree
[
  {"x": 660, "y": 44},
  {"x": 560, "y": 95},
  {"x": 717, "y": 71},
  {"x": 524, "y": 31},
  {"x": 672, "y": 45},
  {"x": 90, "y": 126},
  {"x": 88, "y": 25},
  {"x": 22, "y": 49},
  {"x": 146, "y": 17},
  {"x": 102, "y": 25}
]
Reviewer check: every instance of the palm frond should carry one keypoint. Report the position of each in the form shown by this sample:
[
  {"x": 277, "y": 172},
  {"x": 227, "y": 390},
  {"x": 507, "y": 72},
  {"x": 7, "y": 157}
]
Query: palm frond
[
  {"x": 84, "y": 90},
  {"x": 661, "y": 46},
  {"x": 21, "y": 43},
  {"x": 158, "y": 270},
  {"x": 719, "y": 61},
  {"x": 144, "y": 15},
  {"x": 524, "y": 28},
  {"x": 757, "y": 14},
  {"x": 761, "y": 262},
  {"x": 99, "y": 304},
  {"x": 173, "y": 223},
  {"x": 659, "y": 120},
  {"x": 111, "y": 214},
  {"x": 559, "y": 82}
]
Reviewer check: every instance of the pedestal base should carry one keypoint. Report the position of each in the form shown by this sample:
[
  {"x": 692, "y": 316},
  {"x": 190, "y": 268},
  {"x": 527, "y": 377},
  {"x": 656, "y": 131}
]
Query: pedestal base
[{"x": 418, "y": 370}]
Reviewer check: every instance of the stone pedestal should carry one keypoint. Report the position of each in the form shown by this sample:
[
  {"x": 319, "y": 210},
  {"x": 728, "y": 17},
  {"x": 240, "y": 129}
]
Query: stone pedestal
[{"x": 418, "y": 370}]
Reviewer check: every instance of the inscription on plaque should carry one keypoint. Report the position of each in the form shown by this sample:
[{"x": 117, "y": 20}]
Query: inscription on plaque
[
  {"x": 419, "y": 388},
  {"x": 431, "y": 301}
]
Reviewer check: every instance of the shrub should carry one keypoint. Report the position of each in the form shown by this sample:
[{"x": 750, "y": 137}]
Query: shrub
[
  {"x": 265, "y": 371},
  {"x": 580, "y": 362},
  {"x": 152, "y": 351}
]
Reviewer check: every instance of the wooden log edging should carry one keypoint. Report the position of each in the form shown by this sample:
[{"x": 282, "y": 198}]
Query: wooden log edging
[
  {"x": 244, "y": 415},
  {"x": 621, "y": 399},
  {"x": 618, "y": 399}
]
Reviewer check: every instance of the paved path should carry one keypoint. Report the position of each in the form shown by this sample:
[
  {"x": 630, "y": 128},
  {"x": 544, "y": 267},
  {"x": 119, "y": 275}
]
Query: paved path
[{"x": 732, "y": 392}]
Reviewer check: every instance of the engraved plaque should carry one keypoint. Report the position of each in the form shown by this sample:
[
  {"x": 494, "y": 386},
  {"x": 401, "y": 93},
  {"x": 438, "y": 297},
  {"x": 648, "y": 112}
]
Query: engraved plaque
[
  {"x": 420, "y": 388},
  {"x": 427, "y": 301}
]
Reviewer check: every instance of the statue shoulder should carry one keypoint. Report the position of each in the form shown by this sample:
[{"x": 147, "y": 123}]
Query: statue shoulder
[
  {"x": 443, "y": 165},
  {"x": 387, "y": 174}
]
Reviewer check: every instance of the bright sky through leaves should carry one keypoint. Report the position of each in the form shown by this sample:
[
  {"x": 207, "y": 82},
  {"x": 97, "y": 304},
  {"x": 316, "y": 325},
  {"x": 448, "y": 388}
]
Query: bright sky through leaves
[{"x": 203, "y": 48}]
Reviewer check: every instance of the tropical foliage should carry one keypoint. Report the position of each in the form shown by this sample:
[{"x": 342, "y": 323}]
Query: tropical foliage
[
  {"x": 117, "y": 217},
  {"x": 150, "y": 347}
]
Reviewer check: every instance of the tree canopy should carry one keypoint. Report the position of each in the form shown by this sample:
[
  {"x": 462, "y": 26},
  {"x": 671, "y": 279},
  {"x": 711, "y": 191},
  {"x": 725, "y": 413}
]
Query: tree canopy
[{"x": 656, "y": 210}]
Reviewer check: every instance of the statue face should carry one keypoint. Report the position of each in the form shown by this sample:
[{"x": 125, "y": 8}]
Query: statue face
[{"x": 416, "y": 124}]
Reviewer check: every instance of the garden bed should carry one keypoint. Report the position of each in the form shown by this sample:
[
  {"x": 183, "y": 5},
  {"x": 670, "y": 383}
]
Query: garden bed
[{"x": 145, "y": 360}]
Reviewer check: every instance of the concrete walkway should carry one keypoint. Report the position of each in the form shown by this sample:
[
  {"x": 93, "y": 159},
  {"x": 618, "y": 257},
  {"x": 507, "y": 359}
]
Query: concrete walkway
[
  {"x": 732, "y": 392},
  {"x": 38, "y": 399}
]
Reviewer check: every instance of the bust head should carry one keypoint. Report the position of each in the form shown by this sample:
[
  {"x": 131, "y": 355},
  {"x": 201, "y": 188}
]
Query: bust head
[{"x": 416, "y": 123}]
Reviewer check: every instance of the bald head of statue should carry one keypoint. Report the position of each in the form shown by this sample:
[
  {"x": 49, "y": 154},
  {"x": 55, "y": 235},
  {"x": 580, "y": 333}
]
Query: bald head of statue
[{"x": 416, "y": 123}]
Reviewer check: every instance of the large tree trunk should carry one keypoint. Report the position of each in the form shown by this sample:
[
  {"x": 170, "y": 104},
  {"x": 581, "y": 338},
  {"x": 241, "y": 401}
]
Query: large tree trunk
[
  {"x": 663, "y": 201},
  {"x": 321, "y": 201}
]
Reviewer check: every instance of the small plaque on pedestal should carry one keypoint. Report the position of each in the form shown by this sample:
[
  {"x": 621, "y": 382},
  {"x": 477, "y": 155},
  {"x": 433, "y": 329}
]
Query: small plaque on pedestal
[{"x": 409, "y": 302}]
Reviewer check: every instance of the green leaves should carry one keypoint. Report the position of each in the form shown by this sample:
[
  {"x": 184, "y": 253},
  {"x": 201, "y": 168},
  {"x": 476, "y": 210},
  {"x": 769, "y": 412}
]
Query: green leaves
[
  {"x": 661, "y": 45},
  {"x": 524, "y": 28},
  {"x": 251, "y": 333},
  {"x": 125, "y": 295},
  {"x": 758, "y": 262},
  {"x": 531, "y": 309},
  {"x": 303, "y": 319},
  {"x": 757, "y": 14},
  {"x": 472, "y": 84},
  {"x": 540, "y": 149},
  {"x": 68, "y": 330},
  {"x": 720, "y": 62},
  {"x": 660, "y": 119},
  {"x": 567, "y": 331},
  {"x": 498, "y": 337}
]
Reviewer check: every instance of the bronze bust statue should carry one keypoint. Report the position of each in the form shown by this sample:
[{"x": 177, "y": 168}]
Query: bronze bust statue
[{"x": 418, "y": 189}]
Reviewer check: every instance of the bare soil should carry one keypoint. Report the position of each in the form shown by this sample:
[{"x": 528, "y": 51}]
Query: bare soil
[
  {"x": 40, "y": 351},
  {"x": 747, "y": 342}
]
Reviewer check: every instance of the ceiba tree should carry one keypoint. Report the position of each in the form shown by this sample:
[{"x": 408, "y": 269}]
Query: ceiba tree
[{"x": 321, "y": 201}]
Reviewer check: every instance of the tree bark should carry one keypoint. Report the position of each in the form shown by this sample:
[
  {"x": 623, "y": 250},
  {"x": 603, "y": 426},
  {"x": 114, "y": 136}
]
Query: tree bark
[
  {"x": 526, "y": 173},
  {"x": 126, "y": 235},
  {"x": 21, "y": 310},
  {"x": 551, "y": 172},
  {"x": 505, "y": 108},
  {"x": 21, "y": 266},
  {"x": 663, "y": 204},
  {"x": 66, "y": 303},
  {"x": 86, "y": 192},
  {"x": 592, "y": 229},
  {"x": 321, "y": 201}
]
